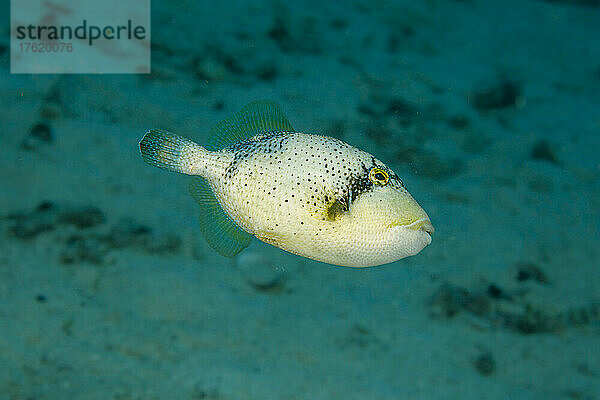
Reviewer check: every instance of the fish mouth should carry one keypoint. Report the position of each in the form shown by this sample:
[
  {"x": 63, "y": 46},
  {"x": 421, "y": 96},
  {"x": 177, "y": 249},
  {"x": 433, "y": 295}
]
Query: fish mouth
[{"x": 423, "y": 224}]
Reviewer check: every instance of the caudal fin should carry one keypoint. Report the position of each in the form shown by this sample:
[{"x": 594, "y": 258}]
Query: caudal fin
[{"x": 166, "y": 150}]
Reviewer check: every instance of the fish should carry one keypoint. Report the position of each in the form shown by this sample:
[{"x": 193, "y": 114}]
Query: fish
[{"x": 308, "y": 194}]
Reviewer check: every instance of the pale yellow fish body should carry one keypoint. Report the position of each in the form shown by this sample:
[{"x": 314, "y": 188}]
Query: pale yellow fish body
[{"x": 311, "y": 195}]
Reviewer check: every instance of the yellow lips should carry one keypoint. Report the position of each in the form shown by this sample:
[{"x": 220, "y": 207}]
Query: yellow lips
[{"x": 424, "y": 224}]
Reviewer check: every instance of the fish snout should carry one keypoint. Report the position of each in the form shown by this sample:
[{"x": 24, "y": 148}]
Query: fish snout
[{"x": 423, "y": 229}]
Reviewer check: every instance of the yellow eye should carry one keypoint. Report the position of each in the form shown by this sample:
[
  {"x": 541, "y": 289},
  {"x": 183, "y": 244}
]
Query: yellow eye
[{"x": 379, "y": 176}]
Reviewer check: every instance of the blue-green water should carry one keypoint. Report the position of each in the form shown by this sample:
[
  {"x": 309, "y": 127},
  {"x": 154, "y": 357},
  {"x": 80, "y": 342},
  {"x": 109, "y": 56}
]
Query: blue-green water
[{"x": 488, "y": 110}]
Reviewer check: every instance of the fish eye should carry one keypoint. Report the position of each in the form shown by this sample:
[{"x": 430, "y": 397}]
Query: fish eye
[{"x": 379, "y": 176}]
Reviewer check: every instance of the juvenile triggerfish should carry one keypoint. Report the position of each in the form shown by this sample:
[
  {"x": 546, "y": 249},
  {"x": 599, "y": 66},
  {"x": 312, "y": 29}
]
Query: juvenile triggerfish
[{"x": 311, "y": 195}]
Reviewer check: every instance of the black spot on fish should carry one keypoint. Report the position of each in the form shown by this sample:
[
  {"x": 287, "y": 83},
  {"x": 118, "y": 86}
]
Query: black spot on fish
[{"x": 336, "y": 210}]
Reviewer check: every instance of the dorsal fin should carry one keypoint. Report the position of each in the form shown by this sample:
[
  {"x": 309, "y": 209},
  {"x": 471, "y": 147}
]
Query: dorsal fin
[
  {"x": 219, "y": 230},
  {"x": 256, "y": 118}
]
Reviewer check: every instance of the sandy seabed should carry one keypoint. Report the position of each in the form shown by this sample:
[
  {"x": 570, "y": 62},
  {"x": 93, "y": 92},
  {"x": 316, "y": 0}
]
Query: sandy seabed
[{"x": 488, "y": 110}]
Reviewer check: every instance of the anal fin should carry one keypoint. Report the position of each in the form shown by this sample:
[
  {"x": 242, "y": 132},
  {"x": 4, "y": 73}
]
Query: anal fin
[{"x": 219, "y": 230}]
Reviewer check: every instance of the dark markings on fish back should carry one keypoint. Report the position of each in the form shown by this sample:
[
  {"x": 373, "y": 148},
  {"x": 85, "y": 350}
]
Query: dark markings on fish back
[{"x": 259, "y": 144}]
